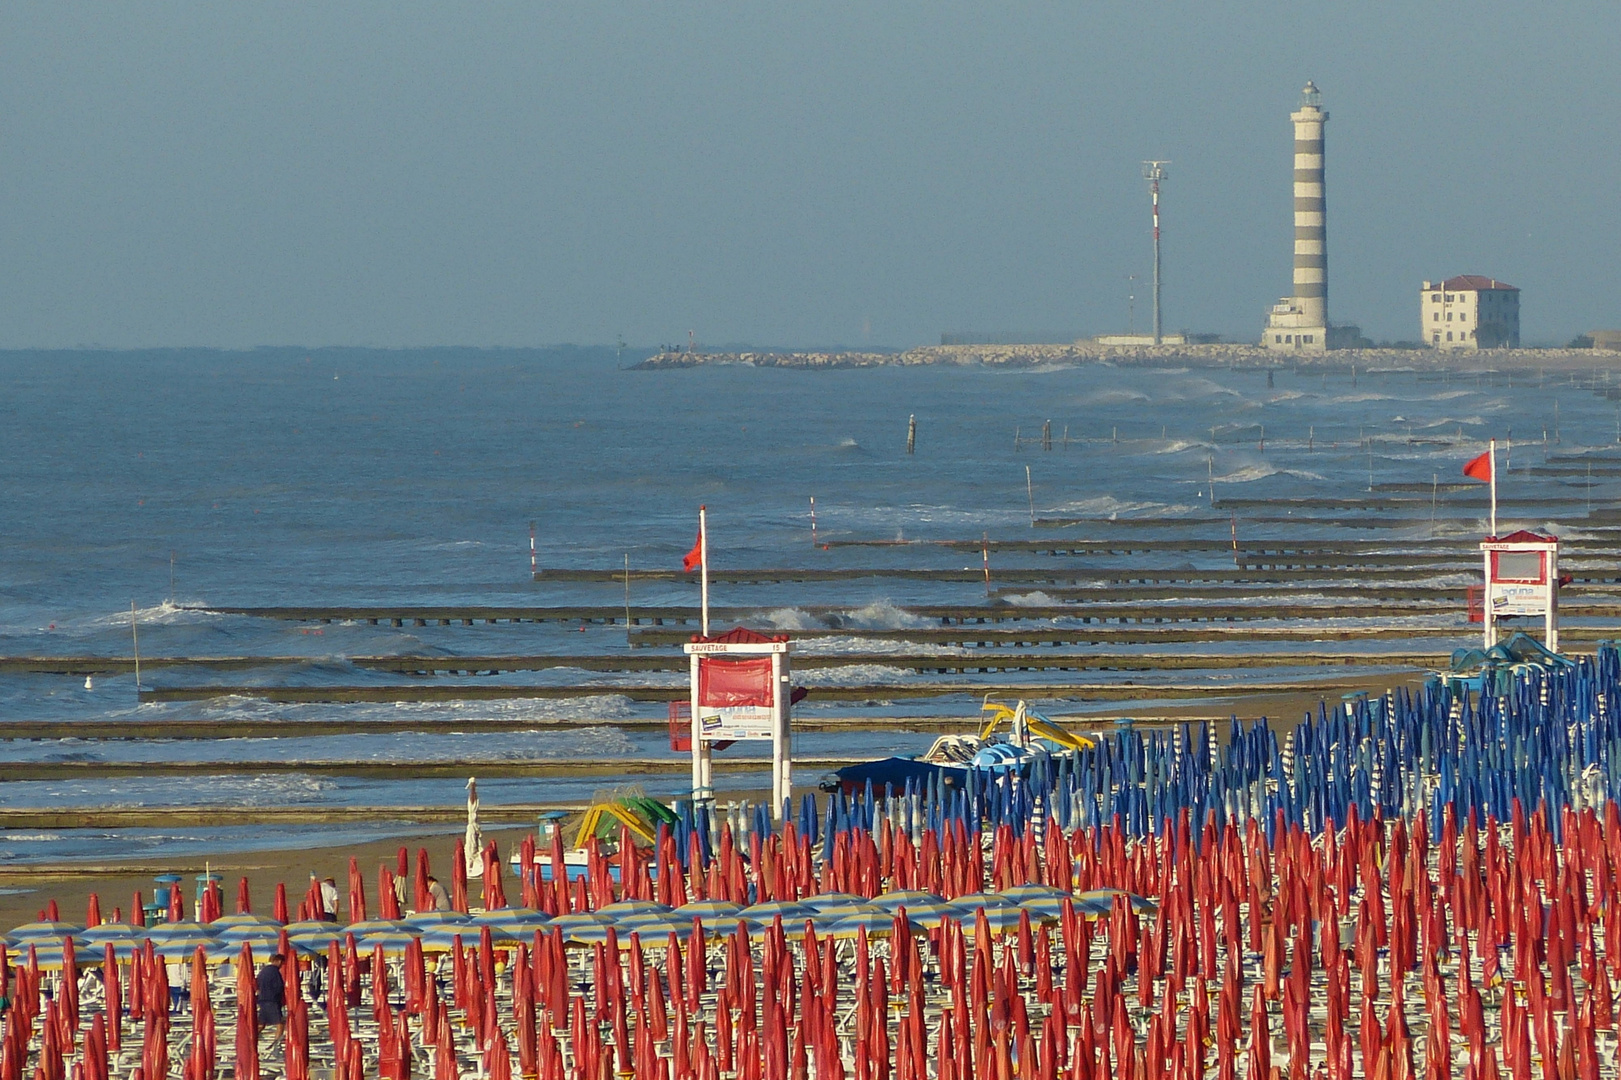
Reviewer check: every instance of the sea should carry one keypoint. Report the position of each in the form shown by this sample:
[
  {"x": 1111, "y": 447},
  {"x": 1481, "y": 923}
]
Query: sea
[{"x": 170, "y": 483}]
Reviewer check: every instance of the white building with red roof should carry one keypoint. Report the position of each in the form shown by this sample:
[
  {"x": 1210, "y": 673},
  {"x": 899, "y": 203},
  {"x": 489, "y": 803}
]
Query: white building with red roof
[{"x": 1470, "y": 312}]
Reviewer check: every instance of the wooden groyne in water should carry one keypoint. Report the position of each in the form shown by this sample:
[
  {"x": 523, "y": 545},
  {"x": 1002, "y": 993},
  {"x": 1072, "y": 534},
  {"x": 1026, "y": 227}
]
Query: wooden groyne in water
[{"x": 882, "y": 692}]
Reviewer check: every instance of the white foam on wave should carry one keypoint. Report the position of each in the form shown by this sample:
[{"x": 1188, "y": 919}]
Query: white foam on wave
[
  {"x": 884, "y": 615},
  {"x": 1031, "y": 599},
  {"x": 167, "y": 613},
  {"x": 1250, "y": 473},
  {"x": 1178, "y": 446},
  {"x": 839, "y": 644},
  {"x": 1108, "y": 506},
  {"x": 853, "y": 675},
  {"x": 1112, "y": 396},
  {"x": 792, "y": 619}
]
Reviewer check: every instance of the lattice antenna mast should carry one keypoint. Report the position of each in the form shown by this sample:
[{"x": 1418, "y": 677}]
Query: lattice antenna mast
[{"x": 1154, "y": 172}]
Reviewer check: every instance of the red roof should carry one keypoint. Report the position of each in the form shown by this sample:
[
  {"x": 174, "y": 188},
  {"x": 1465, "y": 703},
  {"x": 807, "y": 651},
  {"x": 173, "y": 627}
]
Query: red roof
[
  {"x": 740, "y": 635},
  {"x": 1524, "y": 536},
  {"x": 1475, "y": 283}
]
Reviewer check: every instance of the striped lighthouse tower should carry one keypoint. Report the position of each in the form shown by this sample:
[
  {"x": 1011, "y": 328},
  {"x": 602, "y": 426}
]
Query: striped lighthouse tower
[{"x": 1300, "y": 322}]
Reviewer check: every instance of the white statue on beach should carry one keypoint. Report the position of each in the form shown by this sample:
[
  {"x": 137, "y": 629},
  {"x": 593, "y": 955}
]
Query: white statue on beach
[{"x": 473, "y": 842}]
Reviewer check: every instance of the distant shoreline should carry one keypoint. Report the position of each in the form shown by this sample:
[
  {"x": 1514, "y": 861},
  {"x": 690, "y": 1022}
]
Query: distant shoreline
[{"x": 1080, "y": 353}]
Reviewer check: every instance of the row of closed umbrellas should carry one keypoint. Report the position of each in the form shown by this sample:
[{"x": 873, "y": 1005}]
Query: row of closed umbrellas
[{"x": 839, "y": 915}]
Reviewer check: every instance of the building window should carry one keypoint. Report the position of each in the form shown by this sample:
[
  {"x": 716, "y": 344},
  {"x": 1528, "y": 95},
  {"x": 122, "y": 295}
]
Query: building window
[
  {"x": 1436, "y": 317},
  {"x": 1288, "y": 339},
  {"x": 1438, "y": 336},
  {"x": 1449, "y": 335},
  {"x": 1277, "y": 339},
  {"x": 1449, "y": 316},
  {"x": 1307, "y": 338},
  {"x": 1436, "y": 297},
  {"x": 1449, "y": 298}
]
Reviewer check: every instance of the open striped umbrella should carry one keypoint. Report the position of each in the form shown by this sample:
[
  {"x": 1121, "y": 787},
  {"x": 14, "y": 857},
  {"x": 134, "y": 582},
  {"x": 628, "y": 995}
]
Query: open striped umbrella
[
  {"x": 50, "y": 954},
  {"x": 229, "y": 950},
  {"x": 998, "y": 921},
  {"x": 368, "y": 926},
  {"x": 182, "y": 947},
  {"x": 178, "y": 931},
  {"x": 966, "y": 906},
  {"x": 445, "y": 936},
  {"x": 436, "y": 918},
  {"x": 918, "y": 905},
  {"x": 708, "y": 910},
  {"x": 516, "y": 920},
  {"x": 1043, "y": 902},
  {"x": 316, "y": 935},
  {"x": 629, "y": 909},
  {"x": 877, "y": 924},
  {"x": 656, "y": 931},
  {"x": 582, "y": 928},
  {"x": 259, "y": 937},
  {"x": 764, "y": 915},
  {"x": 49, "y": 930},
  {"x": 838, "y": 904},
  {"x": 113, "y": 932},
  {"x": 393, "y": 942},
  {"x": 245, "y": 918},
  {"x": 1096, "y": 902}
]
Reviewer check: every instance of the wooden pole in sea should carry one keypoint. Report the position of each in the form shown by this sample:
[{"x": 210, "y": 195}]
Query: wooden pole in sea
[{"x": 911, "y": 433}]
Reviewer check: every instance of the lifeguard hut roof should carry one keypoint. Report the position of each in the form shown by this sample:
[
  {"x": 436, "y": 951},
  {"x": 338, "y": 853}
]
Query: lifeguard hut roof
[
  {"x": 740, "y": 635},
  {"x": 1524, "y": 536}
]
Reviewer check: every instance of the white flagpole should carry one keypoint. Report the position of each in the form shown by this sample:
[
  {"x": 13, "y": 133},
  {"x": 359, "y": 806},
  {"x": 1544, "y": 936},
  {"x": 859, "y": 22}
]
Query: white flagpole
[
  {"x": 703, "y": 561},
  {"x": 1493, "y": 451}
]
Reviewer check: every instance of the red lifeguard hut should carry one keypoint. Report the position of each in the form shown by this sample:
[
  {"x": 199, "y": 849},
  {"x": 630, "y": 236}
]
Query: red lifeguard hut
[
  {"x": 1522, "y": 579},
  {"x": 741, "y": 692}
]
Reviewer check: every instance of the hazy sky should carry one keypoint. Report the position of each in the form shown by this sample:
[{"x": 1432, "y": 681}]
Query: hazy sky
[{"x": 530, "y": 173}]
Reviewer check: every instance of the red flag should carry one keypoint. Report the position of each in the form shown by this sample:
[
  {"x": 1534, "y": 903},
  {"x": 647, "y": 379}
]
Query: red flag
[
  {"x": 1480, "y": 468},
  {"x": 694, "y": 558}
]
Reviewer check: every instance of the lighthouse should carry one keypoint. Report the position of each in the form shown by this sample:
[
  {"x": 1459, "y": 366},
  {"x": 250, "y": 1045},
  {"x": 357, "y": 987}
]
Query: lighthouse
[{"x": 1299, "y": 323}]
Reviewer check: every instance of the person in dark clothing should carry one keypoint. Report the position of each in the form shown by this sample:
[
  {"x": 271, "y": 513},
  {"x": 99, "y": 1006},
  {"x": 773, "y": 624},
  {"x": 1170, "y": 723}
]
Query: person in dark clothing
[{"x": 271, "y": 999}]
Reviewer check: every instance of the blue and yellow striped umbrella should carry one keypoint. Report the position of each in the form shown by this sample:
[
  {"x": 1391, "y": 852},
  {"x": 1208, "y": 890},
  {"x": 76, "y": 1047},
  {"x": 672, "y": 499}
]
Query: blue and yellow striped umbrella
[
  {"x": 925, "y": 907},
  {"x": 833, "y": 901},
  {"x": 584, "y": 928},
  {"x": 51, "y": 930},
  {"x": 877, "y": 924},
  {"x": 443, "y": 938},
  {"x": 393, "y": 942},
  {"x": 524, "y": 921},
  {"x": 244, "y": 919},
  {"x": 436, "y": 918},
  {"x": 709, "y": 911},
  {"x": 115, "y": 932},
  {"x": 181, "y": 947},
  {"x": 762, "y": 916}
]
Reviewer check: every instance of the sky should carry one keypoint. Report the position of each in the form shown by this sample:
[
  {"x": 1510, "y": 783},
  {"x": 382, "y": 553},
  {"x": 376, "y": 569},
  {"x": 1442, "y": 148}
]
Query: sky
[{"x": 517, "y": 174}]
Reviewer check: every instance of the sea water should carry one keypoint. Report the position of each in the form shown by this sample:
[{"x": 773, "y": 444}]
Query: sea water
[{"x": 174, "y": 481}]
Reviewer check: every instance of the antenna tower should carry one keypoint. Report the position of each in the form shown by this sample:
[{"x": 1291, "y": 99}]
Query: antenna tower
[{"x": 1154, "y": 172}]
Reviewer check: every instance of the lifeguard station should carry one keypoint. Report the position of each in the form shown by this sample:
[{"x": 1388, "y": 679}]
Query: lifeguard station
[
  {"x": 1521, "y": 580},
  {"x": 740, "y": 692}
]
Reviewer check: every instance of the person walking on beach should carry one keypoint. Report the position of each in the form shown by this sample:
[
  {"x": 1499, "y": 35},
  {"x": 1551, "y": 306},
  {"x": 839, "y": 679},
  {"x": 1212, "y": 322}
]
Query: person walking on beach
[
  {"x": 437, "y": 895},
  {"x": 329, "y": 897},
  {"x": 271, "y": 998}
]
